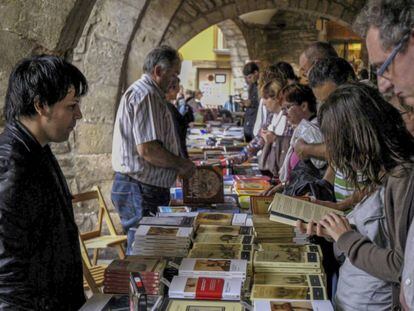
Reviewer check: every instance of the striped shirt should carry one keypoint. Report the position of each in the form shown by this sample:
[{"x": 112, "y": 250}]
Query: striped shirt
[{"x": 143, "y": 116}]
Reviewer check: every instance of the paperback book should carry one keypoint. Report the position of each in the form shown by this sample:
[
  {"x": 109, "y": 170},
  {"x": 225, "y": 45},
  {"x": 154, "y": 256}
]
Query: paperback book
[{"x": 288, "y": 210}]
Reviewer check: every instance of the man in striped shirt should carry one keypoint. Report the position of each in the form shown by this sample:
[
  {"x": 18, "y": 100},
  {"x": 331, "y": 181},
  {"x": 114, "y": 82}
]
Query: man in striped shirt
[{"x": 146, "y": 149}]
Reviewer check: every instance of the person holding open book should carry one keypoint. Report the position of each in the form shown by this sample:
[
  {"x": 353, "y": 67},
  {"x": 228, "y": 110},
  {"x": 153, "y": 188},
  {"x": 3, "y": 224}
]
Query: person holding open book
[{"x": 367, "y": 140}]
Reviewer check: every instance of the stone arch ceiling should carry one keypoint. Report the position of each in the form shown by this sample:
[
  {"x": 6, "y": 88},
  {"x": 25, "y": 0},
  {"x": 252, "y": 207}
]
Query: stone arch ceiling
[{"x": 193, "y": 16}]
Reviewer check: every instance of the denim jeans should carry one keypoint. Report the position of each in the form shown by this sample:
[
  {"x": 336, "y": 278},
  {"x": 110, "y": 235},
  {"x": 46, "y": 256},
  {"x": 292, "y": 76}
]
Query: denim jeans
[{"x": 134, "y": 200}]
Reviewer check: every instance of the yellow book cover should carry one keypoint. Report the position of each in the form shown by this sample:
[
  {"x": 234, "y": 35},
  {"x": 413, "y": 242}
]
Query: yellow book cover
[
  {"x": 221, "y": 219},
  {"x": 283, "y": 292},
  {"x": 289, "y": 257},
  {"x": 223, "y": 239},
  {"x": 298, "y": 280}
]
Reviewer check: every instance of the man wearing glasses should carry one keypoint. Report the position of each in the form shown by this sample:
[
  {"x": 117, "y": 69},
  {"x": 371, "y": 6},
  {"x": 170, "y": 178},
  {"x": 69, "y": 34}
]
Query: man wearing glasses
[{"x": 388, "y": 28}]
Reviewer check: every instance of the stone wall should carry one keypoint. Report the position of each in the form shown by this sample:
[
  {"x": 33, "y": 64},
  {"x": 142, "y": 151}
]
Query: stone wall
[
  {"x": 283, "y": 39},
  {"x": 33, "y": 27}
]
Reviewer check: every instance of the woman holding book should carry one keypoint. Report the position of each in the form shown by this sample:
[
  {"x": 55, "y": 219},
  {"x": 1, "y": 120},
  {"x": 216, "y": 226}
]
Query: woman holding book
[{"x": 366, "y": 139}]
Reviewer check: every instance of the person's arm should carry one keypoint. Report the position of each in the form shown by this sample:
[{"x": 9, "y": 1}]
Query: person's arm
[
  {"x": 383, "y": 263},
  {"x": 154, "y": 153},
  {"x": 306, "y": 151}
]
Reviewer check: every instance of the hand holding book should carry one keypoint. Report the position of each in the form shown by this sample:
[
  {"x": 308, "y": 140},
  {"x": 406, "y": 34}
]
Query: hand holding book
[{"x": 331, "y": 226}]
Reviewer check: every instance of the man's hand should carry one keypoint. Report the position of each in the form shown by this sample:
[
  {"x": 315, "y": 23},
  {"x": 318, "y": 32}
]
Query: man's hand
[
  {"x": 335, "y": 225},
  {"x": 187, "y": 169},
  {"x": 300, "y": 149},
  {"x": 268, "y": 136}
]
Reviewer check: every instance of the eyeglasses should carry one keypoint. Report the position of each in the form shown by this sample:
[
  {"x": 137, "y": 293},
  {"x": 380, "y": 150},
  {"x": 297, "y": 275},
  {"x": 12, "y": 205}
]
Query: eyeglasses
[{"x": 380, "y": 71}]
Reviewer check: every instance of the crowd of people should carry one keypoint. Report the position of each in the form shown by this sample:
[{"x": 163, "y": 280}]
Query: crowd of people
[{"x": 346, "y": 143}]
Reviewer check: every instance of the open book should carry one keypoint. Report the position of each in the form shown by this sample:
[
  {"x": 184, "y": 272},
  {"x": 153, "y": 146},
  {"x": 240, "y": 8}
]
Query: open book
[{"x": 288, "y": 210}]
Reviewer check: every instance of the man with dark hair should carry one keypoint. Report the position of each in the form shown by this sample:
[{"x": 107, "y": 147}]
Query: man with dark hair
[
  {"x": 40, "y": 260},
  {"x": 251, "y": 75},
  {"x": 327, "y": 74},
  {"x": 146, "y": 153},
  {"x": 314, "y": 52}
]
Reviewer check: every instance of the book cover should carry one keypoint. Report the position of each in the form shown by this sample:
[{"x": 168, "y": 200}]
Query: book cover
[
  {"x": 233, "y": 230},
  {"x": 199, "y": 305},
  {"x": 288, "y": 280},
  {"x": 168, "y": 221},
  {"x": 222, "y": 219},
  {"x": 135, "y": 264},
  {"x": 216, "y": 267},
  {"x": 283, "y": 292},
  {"x": 260, "y": 204},
  {"x": 205, "y": 288},
  {"x": 205, "y": 186},
  {"x": 288, "y": 210},
  {"x": 163, "y": 232},
  {"x": 288, "y": 258},
  {"x": 223, "y": 239},
  {"x": 286, "y": 305}
]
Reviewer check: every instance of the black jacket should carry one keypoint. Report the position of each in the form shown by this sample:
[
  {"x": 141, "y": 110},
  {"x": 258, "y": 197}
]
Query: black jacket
[{"x": 40, "y": 262}]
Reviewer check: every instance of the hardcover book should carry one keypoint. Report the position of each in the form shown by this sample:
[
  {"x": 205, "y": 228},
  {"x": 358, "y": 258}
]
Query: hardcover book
[
  {"x": 205, "y": 288},
  {"x": 288, "y": 210},
  {"x": 205, "y": 186}
]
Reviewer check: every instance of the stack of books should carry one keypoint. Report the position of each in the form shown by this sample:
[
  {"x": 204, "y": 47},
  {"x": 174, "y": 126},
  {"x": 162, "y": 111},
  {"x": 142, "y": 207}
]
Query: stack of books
[
  {"x": 116, "y": 277},
  {"x": 271, "y": 232},
  {"x": 162, "y": 240},
  {"x": 288, "y": 271},
  {"x": 185, "y": 287},
  {"x": 288, "y": 260}
]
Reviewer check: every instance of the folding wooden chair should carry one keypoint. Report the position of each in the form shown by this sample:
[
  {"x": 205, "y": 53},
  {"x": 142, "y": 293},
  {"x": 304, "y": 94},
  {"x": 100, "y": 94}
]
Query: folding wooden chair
[
  {"x": 95, "y": 239},
  {"x": 93, "y": 276}
]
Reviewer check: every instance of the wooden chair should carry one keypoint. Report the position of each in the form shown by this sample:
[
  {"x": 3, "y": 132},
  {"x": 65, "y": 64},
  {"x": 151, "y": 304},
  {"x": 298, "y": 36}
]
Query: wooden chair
[
  {"x": 93, "y": 276},
  {"x": 95, "y": 239}
]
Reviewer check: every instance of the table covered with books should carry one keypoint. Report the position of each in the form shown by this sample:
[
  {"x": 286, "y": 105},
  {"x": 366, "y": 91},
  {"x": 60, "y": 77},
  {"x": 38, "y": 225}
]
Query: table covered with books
[{"x": 220, "y": 245}]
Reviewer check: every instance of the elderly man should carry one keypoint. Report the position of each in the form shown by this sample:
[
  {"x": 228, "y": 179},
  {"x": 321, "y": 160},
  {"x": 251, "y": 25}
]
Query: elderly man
[
  {"x": 314, "y": 52},
  {"x": 146, "y": 147},
  {"x": 388, "y": 27}
]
